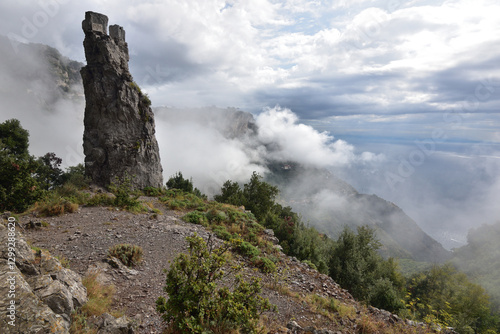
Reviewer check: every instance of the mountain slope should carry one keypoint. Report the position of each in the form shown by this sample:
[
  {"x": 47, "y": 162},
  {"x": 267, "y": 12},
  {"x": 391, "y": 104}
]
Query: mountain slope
[
  {"x": 329, "y": 204},
  {"x": 323, "y": 199},
  {"x": 300, "y": 293}
]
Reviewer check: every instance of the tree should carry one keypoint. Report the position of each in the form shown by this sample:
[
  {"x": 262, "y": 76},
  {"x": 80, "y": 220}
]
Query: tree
[
  {"x": 179, "y": 182},
  {"x": 49, "y": 174},
  {"x": 18, "y": 188},
  {"x": 259, "y": 196},
  {"x": 196, "y": 303},
  {"x": 356, "y": 266},
  {"x": 231, "y": 193},
  {"x": 296, "y": 239},
  {"x": 446, "y": 296},
  {"x": 13, "y": 138}
]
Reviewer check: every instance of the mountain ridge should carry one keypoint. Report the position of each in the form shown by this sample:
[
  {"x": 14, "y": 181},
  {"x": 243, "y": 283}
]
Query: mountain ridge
[{"x": 235, "y": 125}]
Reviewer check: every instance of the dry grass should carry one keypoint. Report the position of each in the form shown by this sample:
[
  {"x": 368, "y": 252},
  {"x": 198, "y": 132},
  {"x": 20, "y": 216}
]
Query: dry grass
[
  {"x": 100, "y": 299},
  {"x": 100, "y": 296}
]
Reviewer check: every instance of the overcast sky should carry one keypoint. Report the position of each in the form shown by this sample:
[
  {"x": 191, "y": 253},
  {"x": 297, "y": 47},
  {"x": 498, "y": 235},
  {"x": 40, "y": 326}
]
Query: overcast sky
[{"x": 415, "y": 81}]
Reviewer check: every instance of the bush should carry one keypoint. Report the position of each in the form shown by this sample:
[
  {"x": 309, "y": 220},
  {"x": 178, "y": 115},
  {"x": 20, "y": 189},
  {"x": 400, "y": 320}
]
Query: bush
[
  {"x": 196, "y": 217},
  {"x": 310, "y": 264},
  {"x": 154, "y": 192},
  {"x": 179, "y": 182},
  {"x": 124, "y": 196},
  {"x": 215, "y": 216},
  {"x": 180, "y": 200},
  {"x": 55, "y": 205},
  {"x": 247, "y": 249},
  {"x": 384, "y": 295},
  {"x": 195, "y": 302},
  {"x": 221, "y": 232},
  {"x": 101, "y": 200},
  {"x": 264, "y": 264},
  {"x": 75, "y": 175},
  {"x": 129, "y": 255},
  {"x": 357, "y": 267}
]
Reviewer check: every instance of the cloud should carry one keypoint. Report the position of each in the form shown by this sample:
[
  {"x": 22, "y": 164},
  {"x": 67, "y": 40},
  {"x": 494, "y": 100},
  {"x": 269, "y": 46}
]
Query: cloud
[
  {"x": 316, "y": 58},
  {"x": 196, "y": 142},
  {"x": 299, "y": 142}
]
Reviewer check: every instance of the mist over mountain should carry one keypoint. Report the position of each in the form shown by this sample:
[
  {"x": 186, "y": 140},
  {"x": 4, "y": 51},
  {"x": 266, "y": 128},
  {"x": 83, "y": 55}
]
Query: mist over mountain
[
  {"x": 43, "y": 89},
  {"x": 294, "y": 157},
  {"x": 213, "y": 145}
]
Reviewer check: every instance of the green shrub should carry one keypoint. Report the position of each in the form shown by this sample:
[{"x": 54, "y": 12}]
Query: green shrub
[
  {"x": 146, "y": 100},
  {"x": 264, "y": 264},
  {"x": 177, "y": 199},
  {"x": 101, "y": 200},
  {"x": 75, "y": 175},
  {"x": 129, "y": 255},
  {"x": 215, "y": 216},
  {"x": 247, "y": 249},
  {"x": 310, "y": 264},
  {"x": 179, "y": 182},
  {"x": 72, "y": 193},
  {"x": 154, "y": 192},
  {"x": 125, "y": 197},
  {"x": 221, "y": 232},
  {"x": 135, "y": 86},
  {"x": 196, "y": 303},
  {"x": 196, "y": 217}
]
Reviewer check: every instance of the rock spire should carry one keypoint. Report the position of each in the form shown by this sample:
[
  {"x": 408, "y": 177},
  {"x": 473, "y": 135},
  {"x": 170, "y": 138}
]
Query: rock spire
[{"x": 119, "y": 138}]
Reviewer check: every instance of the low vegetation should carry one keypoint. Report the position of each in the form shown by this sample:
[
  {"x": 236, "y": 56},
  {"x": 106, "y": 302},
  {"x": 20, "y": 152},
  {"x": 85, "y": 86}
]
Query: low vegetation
[
  {"x": 198, "y": 304},
  {"x": 129, "y": 255},
  {"x": 100, "y": 299}
]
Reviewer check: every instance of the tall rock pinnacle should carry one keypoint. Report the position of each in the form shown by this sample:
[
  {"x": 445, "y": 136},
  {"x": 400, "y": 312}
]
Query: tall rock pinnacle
[{"x": 119, "y": 138}]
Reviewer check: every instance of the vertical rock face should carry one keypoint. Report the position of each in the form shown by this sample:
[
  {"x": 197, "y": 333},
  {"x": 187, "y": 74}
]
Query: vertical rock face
[{"x": 119, "y": 139}]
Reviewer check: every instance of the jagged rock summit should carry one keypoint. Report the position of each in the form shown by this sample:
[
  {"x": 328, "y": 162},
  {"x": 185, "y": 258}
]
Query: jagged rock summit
[{"x": 119, "y": 138}]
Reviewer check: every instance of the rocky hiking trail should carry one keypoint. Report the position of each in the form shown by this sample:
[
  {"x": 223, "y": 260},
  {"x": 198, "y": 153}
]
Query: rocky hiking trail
[{"x": 85, "y": 236}]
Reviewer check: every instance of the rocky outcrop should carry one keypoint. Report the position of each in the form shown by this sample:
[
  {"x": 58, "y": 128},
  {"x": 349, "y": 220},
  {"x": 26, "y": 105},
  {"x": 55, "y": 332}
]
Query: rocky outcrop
[
  {"x": 38, "y": 293},
  {"x": 119, "y": 138}
]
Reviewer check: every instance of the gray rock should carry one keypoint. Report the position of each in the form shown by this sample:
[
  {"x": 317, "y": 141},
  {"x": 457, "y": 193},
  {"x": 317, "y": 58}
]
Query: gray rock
[
  {"x": 24, "y": 257},
  {"x": 45, "y": 292},
  {"x": 119, "y": 137},
  {"x": 73, "y": 282},
  {"x": 112, "y": 325},
  {"x": 30, "y": 315},
  {"x": 58, "y": 298}
]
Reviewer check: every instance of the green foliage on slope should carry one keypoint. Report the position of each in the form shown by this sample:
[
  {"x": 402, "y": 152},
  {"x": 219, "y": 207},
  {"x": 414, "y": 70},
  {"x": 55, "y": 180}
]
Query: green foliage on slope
[
  {"x": 352, "y": 260},
  {"x": 197, "y": 304},
  {"x": 356, "y": 266},
  {"x": 445, "y": 296},
  {"x": 480, "y": 259}
]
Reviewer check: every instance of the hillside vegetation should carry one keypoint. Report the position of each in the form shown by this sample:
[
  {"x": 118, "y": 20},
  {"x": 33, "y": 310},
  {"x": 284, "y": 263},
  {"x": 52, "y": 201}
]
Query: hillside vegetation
[
  {"x": 480, "y": 259},
  {"x": 441, "y": 296}
]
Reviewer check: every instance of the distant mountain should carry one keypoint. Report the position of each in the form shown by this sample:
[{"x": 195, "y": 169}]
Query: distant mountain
[
  {"x": 37, "y": 74},
  {"x": 324, "y": 200},
  {"x": 329, "y": 204}
]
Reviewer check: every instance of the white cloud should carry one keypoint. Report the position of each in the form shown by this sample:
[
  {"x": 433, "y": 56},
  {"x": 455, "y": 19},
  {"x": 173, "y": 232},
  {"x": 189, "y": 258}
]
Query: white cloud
[{"x": 293, "y": 141}]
